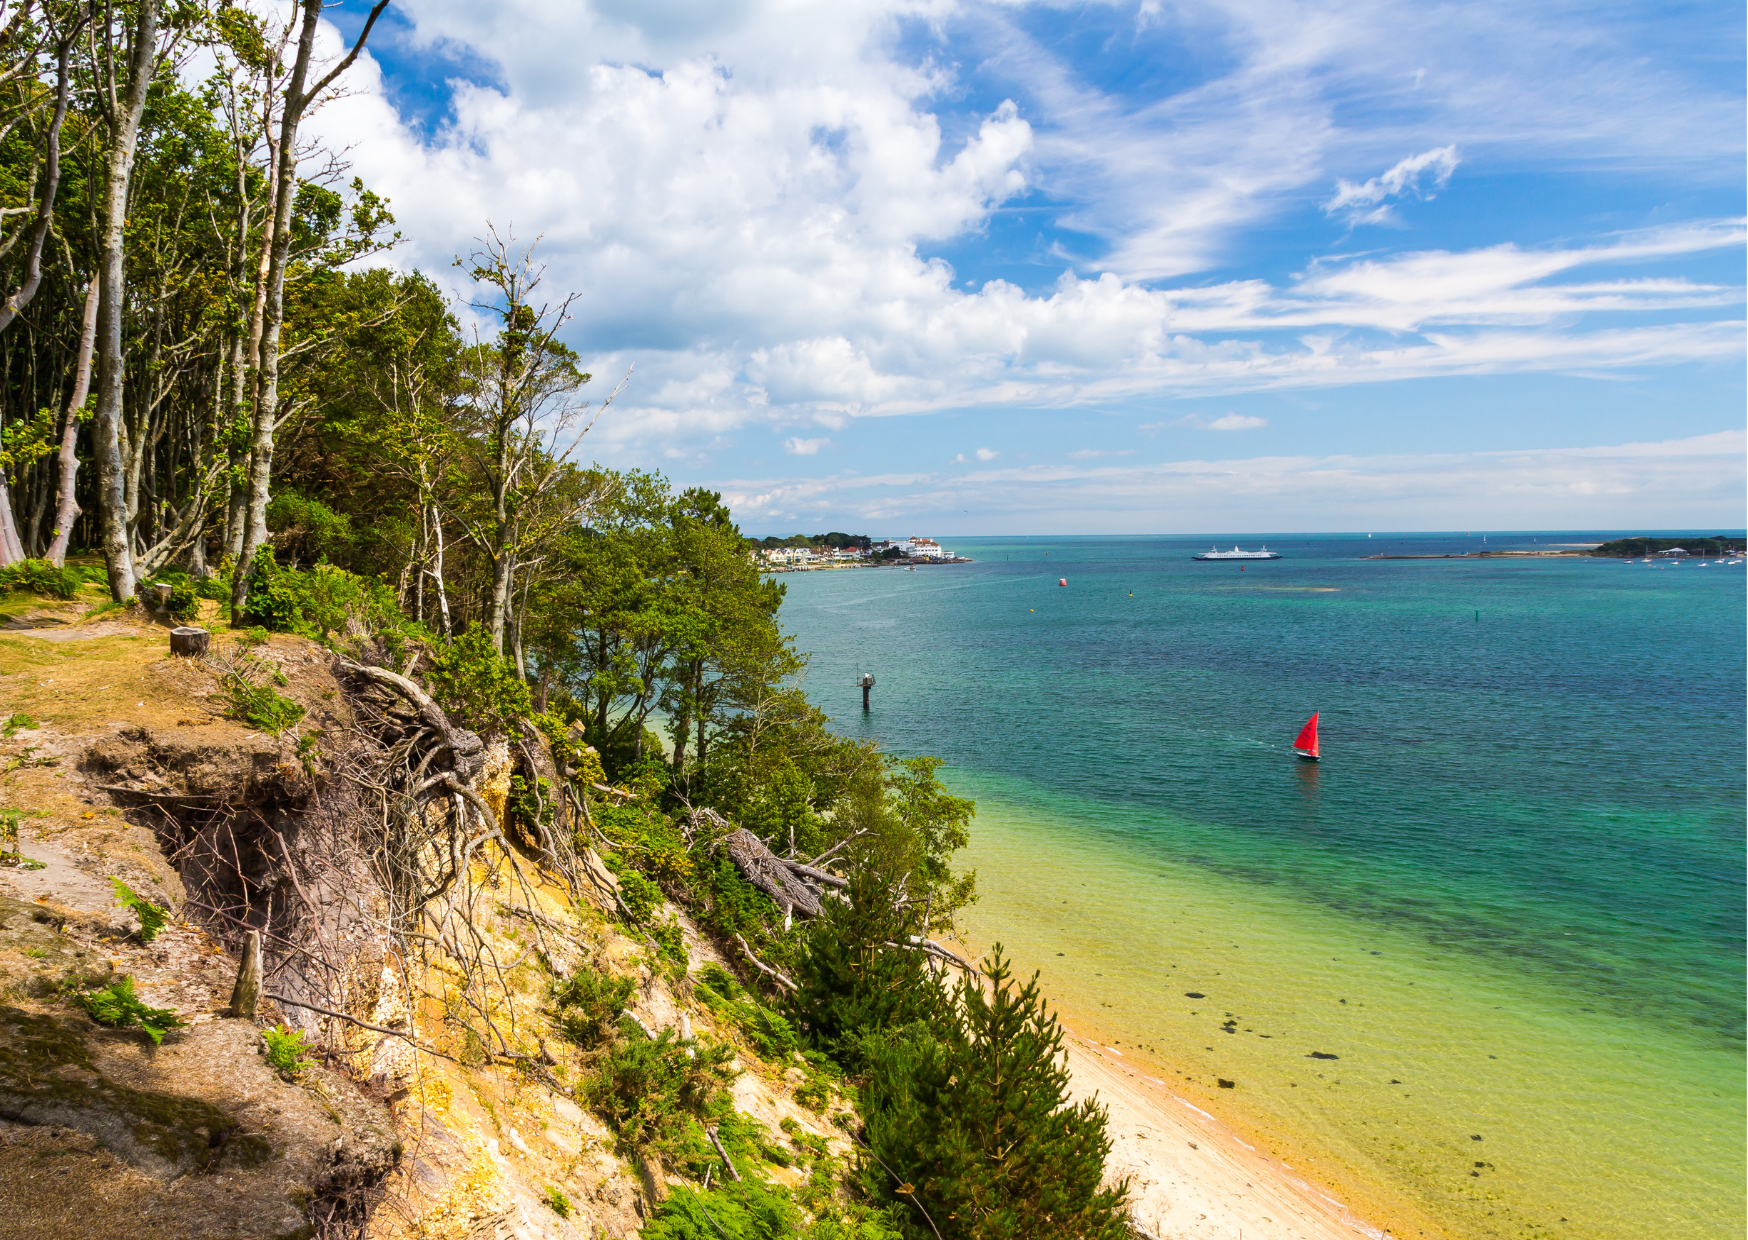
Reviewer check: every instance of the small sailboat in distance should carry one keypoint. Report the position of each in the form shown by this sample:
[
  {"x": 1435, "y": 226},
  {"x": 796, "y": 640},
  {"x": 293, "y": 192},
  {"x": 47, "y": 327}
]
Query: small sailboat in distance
[{"x": 1305, "y": 744}]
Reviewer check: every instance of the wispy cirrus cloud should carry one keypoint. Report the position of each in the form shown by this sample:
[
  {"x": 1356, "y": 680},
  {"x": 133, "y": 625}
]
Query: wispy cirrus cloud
[
  {"x": 1609, "y": 487},
  {"x": 1368, "y": 202}
]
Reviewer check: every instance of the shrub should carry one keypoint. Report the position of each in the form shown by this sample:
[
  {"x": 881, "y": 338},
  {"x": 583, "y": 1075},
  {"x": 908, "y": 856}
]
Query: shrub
[
  {"x": 476, "y": 684},
  {"x": 557, "y": 1202},
  {"x": 259, "y": 705},
  {"x": 315, "y": 603},
  {"x": 307, "y": 525},
  {"x": 118, "y": 1007},
  {"x": 589, "y": 1004},
  {"x": 152, "y": 917},
  {"x": 771, "y": 1036},
  {"x": 39, "y": 577},
  {"x": 285, "y": 1050},
  {"x": 184, "y": 601},
  {"x": 16, "y": 722},
  {"x": 648, "y": 1092}
]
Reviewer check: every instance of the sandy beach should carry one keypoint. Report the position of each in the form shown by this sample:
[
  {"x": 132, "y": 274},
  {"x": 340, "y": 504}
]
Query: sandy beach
[{"x": 1190, "y": 1174}]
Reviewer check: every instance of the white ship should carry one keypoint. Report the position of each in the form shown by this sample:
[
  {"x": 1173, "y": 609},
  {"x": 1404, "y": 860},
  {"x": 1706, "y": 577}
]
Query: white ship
[{"x": 1214, "y": 553}]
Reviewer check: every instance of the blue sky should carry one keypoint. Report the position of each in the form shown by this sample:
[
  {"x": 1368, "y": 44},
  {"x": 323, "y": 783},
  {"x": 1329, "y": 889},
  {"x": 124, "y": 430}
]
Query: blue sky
[{"x": 944, "y": 267}]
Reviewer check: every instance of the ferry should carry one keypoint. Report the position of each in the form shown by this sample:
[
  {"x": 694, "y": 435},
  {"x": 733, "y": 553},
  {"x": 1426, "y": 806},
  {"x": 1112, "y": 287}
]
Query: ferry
[{"x": 1214, "y": 553}]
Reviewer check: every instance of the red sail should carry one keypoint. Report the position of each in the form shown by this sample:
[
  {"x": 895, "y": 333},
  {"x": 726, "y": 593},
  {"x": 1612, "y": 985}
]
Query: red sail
[{"x": 1307, "y": 739}]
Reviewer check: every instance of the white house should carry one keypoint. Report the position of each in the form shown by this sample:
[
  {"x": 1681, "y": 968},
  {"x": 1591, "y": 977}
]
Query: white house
[
  {"x": 924, "y": 549},
  {"x": 787, "y": 555}
]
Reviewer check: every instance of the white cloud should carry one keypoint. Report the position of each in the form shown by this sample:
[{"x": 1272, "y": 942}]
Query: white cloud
[
  {"x": 1367, "y": 202},
  {"x": 987, "y": 454},
  {"x": 1235, "y": 422},
  {"x": 804, "y": 447},
  {"x": 1698, "y": 481},
  {"x": 741, "y": 195},
  {"x": 1093, "y": 454}
]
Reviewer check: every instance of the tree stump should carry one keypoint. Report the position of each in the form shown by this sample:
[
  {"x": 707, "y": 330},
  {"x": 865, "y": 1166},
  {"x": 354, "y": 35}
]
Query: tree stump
[
  {"x": 190, "y": 643},
  {"x": 246, "y": 995},
  {"x": 158, "y": 594}
]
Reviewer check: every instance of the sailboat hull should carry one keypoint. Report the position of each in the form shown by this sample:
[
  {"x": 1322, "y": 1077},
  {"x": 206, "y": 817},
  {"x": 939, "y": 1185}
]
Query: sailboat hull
[{"x": 1307, "y": 755}]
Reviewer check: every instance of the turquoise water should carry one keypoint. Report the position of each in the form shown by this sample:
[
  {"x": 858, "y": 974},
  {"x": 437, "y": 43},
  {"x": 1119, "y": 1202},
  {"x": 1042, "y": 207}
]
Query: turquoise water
[{"x": 1520, "y": 862}]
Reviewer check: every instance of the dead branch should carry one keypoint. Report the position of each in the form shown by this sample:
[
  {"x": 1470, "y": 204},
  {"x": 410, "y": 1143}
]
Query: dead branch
[{"x": 780, "y": 978}]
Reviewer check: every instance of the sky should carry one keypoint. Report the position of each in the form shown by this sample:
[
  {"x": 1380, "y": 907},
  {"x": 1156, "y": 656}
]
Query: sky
[{"x": 947, "y": 267}]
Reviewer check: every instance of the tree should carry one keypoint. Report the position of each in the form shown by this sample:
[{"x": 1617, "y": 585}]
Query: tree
[
  {"x": 521, "y": 388},
  {"x": 857, "y": 984},
  {"x": 299, "y": 95},
  {"x": 969, "y": 1124}
]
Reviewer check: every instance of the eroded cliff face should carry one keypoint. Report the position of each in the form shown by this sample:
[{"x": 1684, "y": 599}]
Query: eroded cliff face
[{"x": 405, "y": 1123}]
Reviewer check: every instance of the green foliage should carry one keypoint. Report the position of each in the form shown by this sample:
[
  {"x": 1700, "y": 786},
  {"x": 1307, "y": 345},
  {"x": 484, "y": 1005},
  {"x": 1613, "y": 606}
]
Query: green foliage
[
  {"x": 589, "y": 1004},
  {"x": 475, "y": 683},
  {"x": 643, "y": 897},
  {"x": 184, "y": 602},
  {"x": 118, "y": 1007},
  {"x": 307, "y": 528},
  {"x": 769, "y": 1033},
  {"x": 250, "y": 701},
  {"x": 10, "y": 854},
  {"x": 556, "y": 1201},
  {"x": 39, "y": 577},
  {"x": 15, "y": 723},
  {"x": 968, "y": 1122},
  {"x": 285, "y": 1050},
  {"x": 748, "y": 1210},
  {"x": 854, "y": 986},
  {"x": 754, "y": 1210},
  {"x": 318, "y": 602},
  {"x": 648, "y": 1092},
  {"x": 152, "y": 917}
]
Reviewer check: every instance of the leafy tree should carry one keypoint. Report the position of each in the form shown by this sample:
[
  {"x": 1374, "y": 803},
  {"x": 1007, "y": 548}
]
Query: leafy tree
[{"x": 969, "y": 1124}]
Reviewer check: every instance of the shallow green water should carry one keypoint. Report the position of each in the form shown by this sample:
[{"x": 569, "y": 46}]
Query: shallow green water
[{"x": 1520, "y": 862}]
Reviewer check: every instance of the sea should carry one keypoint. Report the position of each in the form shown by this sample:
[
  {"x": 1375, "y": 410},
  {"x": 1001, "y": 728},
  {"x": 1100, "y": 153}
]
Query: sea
[{"x": 1481, "y": 969}]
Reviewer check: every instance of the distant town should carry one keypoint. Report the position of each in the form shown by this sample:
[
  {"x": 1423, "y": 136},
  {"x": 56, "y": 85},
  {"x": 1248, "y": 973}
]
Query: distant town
[{"x": 806, "y": 553}]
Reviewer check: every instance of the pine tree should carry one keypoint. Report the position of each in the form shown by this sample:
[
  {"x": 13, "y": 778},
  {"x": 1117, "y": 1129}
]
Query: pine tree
[
  {"x": 855, "y": 982},
  {"x": 970, "y": 1125}
]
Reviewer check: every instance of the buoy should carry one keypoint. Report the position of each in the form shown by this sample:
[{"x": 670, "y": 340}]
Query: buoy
[{"x": 1062, "y": 581}]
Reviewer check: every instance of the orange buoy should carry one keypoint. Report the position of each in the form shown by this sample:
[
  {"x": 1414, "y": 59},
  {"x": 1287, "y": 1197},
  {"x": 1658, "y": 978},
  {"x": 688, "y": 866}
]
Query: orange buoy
[{"x": 1062, "y": 581}]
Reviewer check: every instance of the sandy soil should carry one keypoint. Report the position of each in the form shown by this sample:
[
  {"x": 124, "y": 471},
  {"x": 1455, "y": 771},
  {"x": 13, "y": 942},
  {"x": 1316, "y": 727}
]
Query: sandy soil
[{"x": 1192, "y": 1176}]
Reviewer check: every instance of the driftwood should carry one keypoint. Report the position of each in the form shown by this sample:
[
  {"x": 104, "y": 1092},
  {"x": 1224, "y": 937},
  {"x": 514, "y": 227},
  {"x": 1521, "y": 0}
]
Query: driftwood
[
  {"x": 188, "y": 642},
  {"x": 770, "y": 874},
  {"x": 817, "y": 875}
]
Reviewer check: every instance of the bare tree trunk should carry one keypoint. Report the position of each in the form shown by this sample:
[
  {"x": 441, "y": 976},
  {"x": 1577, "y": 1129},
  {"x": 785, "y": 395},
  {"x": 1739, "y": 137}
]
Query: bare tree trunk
[
  {"x": 278, "y": 246},
  {"x": 112, "y": 277},
  {"x": 11, "y": 548},
  {"x": 437, "y": 575},
  {"x": 67, "y": 504}
]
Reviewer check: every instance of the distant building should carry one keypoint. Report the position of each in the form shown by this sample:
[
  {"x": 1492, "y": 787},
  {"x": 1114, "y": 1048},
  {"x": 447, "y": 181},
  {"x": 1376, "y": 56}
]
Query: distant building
[
  {"x": 924, "y": 549},
  {"x": 787, "y": 555}
]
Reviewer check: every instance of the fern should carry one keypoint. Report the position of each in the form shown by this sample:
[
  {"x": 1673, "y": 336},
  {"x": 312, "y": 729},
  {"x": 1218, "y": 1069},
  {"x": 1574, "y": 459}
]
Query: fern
[
  {"x": 285, "y": 1050},
  {"x": 152, "y": 917},
  {"x": 118, "y": 1007}
]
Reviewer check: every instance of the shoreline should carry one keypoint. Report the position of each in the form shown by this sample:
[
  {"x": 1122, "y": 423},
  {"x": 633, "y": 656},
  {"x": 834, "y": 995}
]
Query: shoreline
[{"x": 1191, "y": 1173}]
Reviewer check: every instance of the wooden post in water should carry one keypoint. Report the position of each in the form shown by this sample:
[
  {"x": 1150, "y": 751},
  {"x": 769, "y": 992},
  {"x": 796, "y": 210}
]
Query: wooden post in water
[{"x": 867, "y": 683}]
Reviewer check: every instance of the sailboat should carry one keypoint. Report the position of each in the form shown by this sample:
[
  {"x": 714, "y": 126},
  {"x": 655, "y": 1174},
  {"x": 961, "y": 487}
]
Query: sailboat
[{"x": 1305, "y": 744}]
